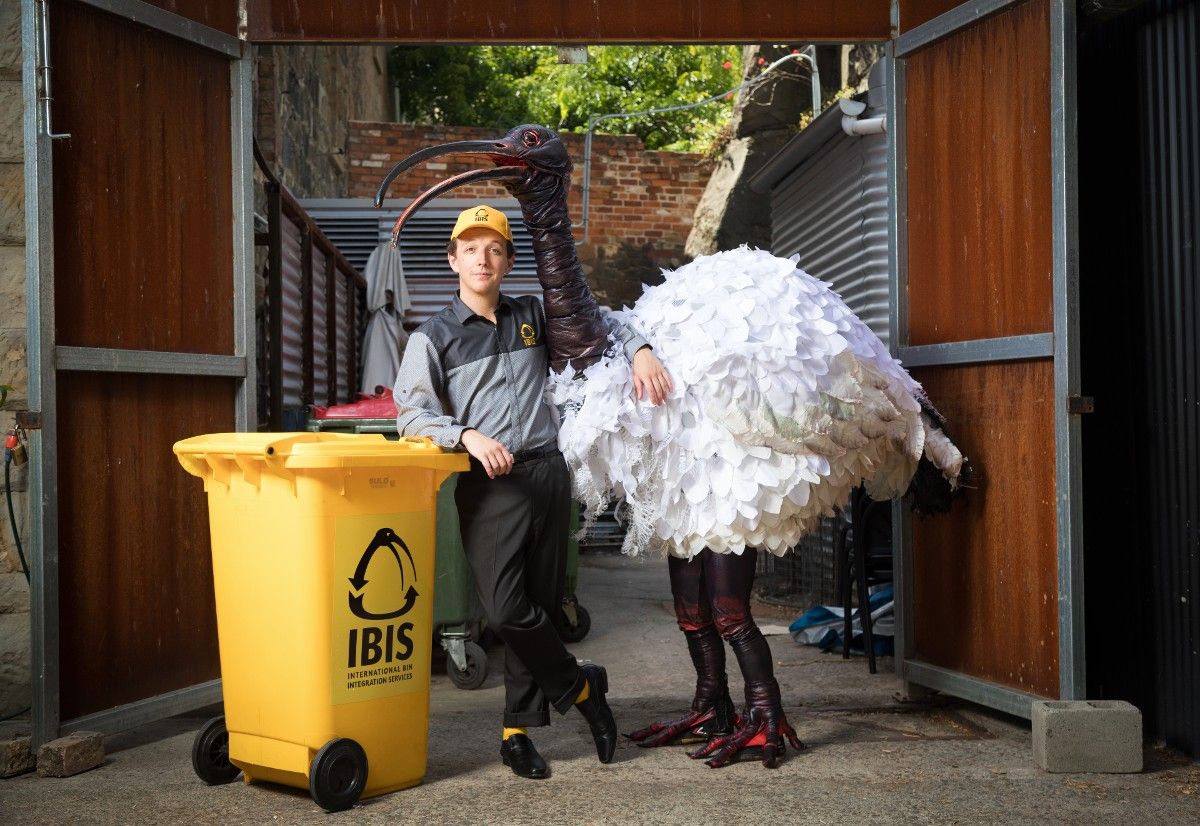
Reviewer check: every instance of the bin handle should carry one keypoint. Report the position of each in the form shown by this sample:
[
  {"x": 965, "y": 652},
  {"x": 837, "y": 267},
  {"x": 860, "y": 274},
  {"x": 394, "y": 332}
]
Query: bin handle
[
  {"x": 210, "y": 467},
  {"x": 194, "y": 465}
]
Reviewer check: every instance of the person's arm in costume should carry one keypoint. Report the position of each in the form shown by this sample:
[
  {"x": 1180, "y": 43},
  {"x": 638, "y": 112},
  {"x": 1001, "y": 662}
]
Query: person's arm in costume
[{"x": 650, "y": 379}]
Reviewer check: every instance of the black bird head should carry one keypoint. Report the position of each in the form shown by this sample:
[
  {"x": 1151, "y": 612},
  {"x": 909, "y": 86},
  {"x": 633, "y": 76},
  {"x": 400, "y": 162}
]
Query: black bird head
[{"x": 531, "y": 161}]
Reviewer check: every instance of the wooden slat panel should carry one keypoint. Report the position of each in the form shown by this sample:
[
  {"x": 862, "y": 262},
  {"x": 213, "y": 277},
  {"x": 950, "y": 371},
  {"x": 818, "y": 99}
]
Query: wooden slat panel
[
  {"x": 557, "y": 22},
  {"x": 915, "y": 12},
  {"x": 217, "y": 14},
  {"x": 979, "y": 195},
  {"x": 985, "y": 576},
  {"x": 135, "y": 569},
  {"x": 143, "y": 239}
]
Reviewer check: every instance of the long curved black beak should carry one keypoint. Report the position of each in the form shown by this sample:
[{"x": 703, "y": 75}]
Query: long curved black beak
[
  {"x": 498, "y": 150},
  {"x": 497, "y": 174}
]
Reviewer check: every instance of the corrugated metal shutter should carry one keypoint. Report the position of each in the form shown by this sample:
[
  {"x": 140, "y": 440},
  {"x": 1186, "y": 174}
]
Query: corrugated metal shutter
[
  {"x": 356, "y": 227},
  {"x": 832, "y": 210}
]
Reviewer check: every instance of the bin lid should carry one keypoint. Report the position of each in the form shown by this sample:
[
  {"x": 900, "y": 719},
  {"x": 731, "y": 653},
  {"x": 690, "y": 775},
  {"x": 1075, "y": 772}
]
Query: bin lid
[{"x": 326, "y": 450}]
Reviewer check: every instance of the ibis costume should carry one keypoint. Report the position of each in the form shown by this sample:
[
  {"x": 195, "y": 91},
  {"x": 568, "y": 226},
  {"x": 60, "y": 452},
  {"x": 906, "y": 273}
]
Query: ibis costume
[{"x": 784, "y": 401}]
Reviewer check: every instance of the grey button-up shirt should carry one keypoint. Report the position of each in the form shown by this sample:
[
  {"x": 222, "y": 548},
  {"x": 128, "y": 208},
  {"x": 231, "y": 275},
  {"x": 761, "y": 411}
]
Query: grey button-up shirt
[{"x": 461, "y": 371}]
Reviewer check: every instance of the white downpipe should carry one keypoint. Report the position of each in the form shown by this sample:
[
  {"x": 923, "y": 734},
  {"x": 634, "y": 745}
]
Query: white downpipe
[
  {"x": 851, "y": 124},
  {"x": 868, "y": 126}
]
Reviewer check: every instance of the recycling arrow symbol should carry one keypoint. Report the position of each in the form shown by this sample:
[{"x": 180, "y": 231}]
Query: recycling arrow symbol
[{"x": 384, "y": 538}]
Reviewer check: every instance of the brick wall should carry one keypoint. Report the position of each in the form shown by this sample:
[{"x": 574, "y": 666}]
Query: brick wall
[{"x": 641, "y": 201}]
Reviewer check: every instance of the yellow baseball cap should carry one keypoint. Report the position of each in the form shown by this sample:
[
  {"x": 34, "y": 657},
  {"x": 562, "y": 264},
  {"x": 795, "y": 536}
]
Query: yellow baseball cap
[{"x": 481, "y": 216}]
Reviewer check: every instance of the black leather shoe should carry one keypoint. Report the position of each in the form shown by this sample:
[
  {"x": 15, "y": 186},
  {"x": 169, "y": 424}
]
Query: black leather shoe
[
  {"x": 597, "y": 713},
  {"x": 518, "y": 754}
]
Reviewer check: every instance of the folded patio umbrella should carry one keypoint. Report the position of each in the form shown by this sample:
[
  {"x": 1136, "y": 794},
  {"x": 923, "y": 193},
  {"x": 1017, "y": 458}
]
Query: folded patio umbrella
[{"x": 387, "y": 300}]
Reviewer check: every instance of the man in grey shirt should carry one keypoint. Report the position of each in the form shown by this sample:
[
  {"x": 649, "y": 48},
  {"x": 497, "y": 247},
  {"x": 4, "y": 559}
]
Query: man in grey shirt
[{"x": 473, "y": 377}]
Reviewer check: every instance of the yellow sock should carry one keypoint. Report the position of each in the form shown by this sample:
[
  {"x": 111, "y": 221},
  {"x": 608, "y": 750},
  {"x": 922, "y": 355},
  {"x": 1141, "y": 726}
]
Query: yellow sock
[
  {"x": 583, "y": 695},
  {"x": 509, "y": 732}
]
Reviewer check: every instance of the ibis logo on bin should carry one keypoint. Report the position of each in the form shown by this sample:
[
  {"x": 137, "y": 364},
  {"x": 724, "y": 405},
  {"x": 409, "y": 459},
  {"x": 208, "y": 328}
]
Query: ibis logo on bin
[
  {"x": 380, "y": 622},
  {"x": 385, "y": 538}
]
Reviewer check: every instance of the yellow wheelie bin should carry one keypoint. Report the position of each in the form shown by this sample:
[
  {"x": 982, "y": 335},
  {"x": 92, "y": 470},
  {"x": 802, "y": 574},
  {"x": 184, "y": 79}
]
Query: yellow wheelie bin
[{"x": 323, "y": 570}]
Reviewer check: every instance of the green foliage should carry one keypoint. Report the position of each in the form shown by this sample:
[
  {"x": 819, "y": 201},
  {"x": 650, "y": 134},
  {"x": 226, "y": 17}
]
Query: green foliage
[
  {"x": 501, "y": 86},
  {"x": 461, "y": 85}
]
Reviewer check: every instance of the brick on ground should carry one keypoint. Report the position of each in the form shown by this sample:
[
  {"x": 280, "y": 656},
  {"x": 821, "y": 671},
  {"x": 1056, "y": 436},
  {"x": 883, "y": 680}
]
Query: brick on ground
[
  {"x": 75, "y": 753},
  {"x": 16, "y": 749}
]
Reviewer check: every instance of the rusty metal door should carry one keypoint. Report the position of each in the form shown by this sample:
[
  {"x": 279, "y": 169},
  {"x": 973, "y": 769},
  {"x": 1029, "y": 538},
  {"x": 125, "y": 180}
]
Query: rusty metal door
[
  {"x": 985, "y": 315},
  {"x": 561, "y": 23},
  {"x": 140, "y": 325}
]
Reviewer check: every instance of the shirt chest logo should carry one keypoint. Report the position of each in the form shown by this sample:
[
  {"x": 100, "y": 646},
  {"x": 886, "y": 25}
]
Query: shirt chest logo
[{"x": 527, "y": 335}]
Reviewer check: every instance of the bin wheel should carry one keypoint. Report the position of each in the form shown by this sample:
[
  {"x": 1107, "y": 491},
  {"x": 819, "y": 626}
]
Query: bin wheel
[
  {"x": 210, "y": 754},
  {"x": 476, "y": 671},
  {"x": 576, "y": 632},
  {"x": 338, "y": 775}
]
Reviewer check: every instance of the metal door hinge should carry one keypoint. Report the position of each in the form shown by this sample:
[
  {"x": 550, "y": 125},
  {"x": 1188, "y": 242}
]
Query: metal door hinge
[{"x": 1078, "y": 405}]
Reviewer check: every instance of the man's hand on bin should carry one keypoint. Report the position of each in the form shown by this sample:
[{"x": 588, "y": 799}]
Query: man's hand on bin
[{"x": 494, "y": 457}]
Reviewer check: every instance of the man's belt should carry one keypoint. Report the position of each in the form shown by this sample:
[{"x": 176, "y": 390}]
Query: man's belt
[{"x": 522, "y": 456}]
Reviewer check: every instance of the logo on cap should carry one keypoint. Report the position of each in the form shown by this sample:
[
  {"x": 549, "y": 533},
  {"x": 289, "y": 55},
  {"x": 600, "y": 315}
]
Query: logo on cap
[{"x": 481, "y": 216}]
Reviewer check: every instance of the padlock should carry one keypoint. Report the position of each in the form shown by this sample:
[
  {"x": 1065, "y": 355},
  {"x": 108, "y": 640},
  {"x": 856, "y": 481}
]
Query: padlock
[{"x": 16, "y": 448}]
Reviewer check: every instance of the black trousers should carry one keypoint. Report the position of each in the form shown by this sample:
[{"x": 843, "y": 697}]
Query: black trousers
[{"x": 514, "y": 531}]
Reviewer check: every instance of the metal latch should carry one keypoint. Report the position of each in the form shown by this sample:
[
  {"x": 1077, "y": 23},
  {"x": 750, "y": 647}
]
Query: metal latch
[{"x": 1078, "y": 405}]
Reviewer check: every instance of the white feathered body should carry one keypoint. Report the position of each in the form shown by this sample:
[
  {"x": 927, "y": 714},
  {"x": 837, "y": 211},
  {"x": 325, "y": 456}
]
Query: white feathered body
[{"x": 784, "y": 401}]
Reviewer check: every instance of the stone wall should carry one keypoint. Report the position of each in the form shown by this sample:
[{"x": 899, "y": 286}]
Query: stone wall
[
  {"x": 641, "y": 201},
  {"x": 305, "y": 97},
  {"x": 12, "y": 262},
  {"x": 15, "y": 685}
]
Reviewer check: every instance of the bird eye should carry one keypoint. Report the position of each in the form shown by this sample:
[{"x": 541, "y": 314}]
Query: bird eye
[{"x": 530, "y": 138}]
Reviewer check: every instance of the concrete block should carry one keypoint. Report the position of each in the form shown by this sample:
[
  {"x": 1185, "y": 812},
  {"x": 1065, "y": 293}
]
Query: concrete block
[
  {"x": 16, "y": 749},
  {"x": 1087, "y": 736},
  {"x": 70, "y": 755}
]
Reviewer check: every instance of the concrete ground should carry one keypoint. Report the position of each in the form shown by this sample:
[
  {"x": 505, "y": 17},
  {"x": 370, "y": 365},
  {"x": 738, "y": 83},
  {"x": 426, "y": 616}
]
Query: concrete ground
[{"x": 869, "y": 758}]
